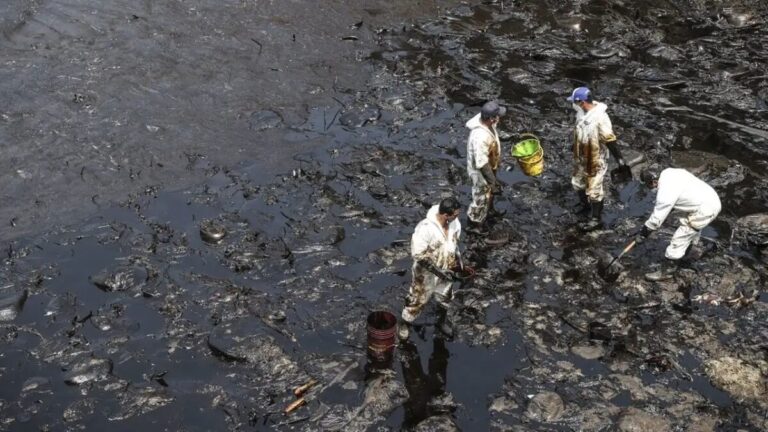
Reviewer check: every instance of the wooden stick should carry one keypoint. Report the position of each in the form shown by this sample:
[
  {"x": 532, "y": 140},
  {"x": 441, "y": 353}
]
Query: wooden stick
[
  {"x": 298, "y": 391},
  {"x": 311, "y": 396},
  {"x": 294, "y": 405}
]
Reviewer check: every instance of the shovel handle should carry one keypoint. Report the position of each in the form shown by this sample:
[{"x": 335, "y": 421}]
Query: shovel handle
[{"x": 628, "y": 248}]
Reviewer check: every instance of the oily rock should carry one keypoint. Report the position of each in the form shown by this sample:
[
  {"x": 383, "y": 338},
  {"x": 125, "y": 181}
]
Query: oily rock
[
  {"x": 546, "y": 406},
  {"x": 736, "y": 377},
  {"x": 635, "y": 420}
]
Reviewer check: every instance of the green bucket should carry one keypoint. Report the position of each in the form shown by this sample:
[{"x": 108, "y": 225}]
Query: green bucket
[
  {"x": 525, "y": 148},
  {"x": 529, "y": 154}
]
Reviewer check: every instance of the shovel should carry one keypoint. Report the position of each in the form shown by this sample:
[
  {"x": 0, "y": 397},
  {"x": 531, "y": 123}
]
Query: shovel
[
  {"x": 622, "y": 174},
  {"x": 605, "y": 272}
]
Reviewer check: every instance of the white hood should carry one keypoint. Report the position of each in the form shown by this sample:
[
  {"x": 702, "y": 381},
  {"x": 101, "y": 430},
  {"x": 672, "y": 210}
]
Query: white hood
[
  {"x": 589, "y": 124},
  {"x": 432, "y": 214},
  {"x": 481, "y": 138},
  {"x": 596, "y": 111},
  {"x": 474, "y": 122},
  {"x": 454, "y": 226}
]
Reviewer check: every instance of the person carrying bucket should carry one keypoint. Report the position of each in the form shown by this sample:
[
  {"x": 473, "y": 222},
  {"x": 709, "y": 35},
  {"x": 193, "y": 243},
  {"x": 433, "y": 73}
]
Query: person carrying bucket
[
  {"x": 592, "y": 139},
  {"x": 435, "y": 251},
  {"x": 678, "y": 190},
  {"x": 483, "y": 161}
]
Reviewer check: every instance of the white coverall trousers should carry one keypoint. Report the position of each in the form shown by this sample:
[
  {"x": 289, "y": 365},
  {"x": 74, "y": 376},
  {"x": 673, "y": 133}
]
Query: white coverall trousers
[
  {"x": 592, "y": 186},
  {"x": 424, "y": 286},
  {"x": 481, "y": 197},
  {"x": 689, "y": 231}
]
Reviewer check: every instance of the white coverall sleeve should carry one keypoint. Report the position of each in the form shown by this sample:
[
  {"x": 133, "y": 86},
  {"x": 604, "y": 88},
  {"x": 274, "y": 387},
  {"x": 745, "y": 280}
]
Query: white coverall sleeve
[
  {"x": 481, "y": 148},
  {"x": 605, "y": 129},
  {"x": 665, "y": 202},
  {"x": 420, "y": 243}
]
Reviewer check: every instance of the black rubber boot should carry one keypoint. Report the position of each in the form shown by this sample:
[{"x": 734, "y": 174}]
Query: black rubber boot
[
  {"x": 584, "y": 206},
  {"x": 476, "y": 228},
  {"x": 492, "y": 211},
  {"x": 666, "y": 271},
  {"x": 444, "y": 323},
  {"x": 597, "y": 210},
  {"x": 594, "y": 218},
  {"x": 696, "y": 252},
  {"x": 496, "y": 214}
]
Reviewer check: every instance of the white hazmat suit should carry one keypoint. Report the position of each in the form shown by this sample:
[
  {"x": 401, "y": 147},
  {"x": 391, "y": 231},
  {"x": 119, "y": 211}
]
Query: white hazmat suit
[
  {"x": 681, "y": 190},
  {"x": 590, "y": 155},
  {"x": 431, "y": 243},
  {"x": 483, "y": 148}
]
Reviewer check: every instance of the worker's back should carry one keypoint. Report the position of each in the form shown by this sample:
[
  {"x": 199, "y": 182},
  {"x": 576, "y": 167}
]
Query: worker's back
[{"x": 685, "y": 191}]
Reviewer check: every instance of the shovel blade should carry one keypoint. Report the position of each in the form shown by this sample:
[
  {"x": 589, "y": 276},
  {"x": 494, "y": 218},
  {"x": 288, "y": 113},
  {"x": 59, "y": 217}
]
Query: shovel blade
[
  {"x": 610, "y": 272},
  {"x": 621, "y": 174},
  {"x": 609, "y": 268},
  {"x": 612, "y": 269}
]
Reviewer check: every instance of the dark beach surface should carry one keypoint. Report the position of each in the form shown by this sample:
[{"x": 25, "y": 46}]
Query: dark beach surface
[{"x": 204, "y": 200}]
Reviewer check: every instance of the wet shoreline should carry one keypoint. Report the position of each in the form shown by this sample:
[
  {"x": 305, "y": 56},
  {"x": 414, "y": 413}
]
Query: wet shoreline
[{"x": 140, "y": 317}]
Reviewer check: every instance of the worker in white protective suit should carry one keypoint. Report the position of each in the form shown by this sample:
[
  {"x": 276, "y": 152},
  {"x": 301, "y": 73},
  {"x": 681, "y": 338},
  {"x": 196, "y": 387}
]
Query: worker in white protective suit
[
  {"x": 593, "y": 138},
  {"x": 435, "y": 252},
  {"x": 483, "y": 161},
  {"x": 678, "y": 190}
]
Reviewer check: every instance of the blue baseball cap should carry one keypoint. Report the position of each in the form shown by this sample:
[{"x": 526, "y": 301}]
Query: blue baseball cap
[{"x": 579, "y": 94}]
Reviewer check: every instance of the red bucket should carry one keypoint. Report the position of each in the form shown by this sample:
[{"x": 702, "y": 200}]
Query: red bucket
[{"x": 382, "y": 326}]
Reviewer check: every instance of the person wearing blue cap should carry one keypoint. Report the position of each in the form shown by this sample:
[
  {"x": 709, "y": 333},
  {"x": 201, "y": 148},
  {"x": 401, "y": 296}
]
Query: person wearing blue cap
[
  {"x": 483, "y": 161},
  {"x": 593, "y": 138}
]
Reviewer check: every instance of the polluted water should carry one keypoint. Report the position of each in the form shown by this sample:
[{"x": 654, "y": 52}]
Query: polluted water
[{"x": 205, "y": 201}]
